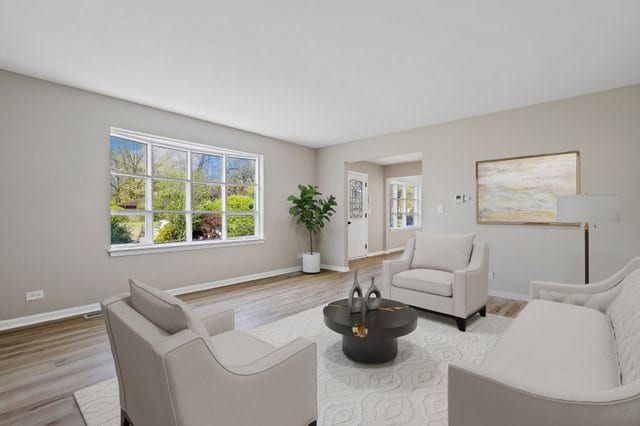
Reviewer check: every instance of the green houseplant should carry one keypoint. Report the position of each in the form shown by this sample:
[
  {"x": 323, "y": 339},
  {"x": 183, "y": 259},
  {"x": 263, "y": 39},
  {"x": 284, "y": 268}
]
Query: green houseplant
[{"x": 311, "y": 211}]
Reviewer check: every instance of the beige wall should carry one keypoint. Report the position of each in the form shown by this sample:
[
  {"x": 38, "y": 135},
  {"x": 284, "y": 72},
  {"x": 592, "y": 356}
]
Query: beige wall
[
  {"x": 605, "y": 127},
  {"x": 398, "y": 238},
  {"x": 54, "y": 171}
]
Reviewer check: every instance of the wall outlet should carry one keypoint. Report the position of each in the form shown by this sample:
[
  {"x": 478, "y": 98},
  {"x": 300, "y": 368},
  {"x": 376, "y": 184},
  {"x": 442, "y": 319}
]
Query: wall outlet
[{"x": 35, "y": 295}]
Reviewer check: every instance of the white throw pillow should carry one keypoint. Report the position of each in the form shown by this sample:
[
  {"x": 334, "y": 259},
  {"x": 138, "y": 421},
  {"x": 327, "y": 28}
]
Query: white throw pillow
[{"x": 446, "y": 252}]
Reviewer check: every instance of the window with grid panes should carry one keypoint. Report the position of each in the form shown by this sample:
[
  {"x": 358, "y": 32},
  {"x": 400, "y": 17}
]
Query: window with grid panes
[
  {"x": 404, "y": 203},
  {"x": 166, "y": 192}
]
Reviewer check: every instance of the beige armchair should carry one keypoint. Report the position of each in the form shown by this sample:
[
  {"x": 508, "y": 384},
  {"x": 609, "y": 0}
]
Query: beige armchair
[
  {"x": 175, "y": 368},
  {"x": 455, "y": 284}
]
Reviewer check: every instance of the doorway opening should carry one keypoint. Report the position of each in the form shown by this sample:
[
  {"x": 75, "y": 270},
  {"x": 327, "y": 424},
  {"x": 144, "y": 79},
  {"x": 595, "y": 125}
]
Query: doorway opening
[{"x": 358, "y": 214}]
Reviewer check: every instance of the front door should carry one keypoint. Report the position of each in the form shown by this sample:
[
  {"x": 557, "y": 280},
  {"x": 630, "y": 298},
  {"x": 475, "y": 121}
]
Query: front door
[{"x": 358, "y": 214}]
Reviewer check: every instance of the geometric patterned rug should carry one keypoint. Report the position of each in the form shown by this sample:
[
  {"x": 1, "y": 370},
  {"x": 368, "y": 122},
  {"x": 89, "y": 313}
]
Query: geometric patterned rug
[{"x": 410, "y": 390}]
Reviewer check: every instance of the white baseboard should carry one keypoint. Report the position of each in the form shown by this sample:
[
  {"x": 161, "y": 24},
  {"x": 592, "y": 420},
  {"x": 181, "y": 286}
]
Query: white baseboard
[
  {"x": 335, "y": 268},
  {"x": 509, "y": 295},
  {"x": 393, "y": 250},
  {"x": 93, "y": 307},
  {"x": 381, "y": 252},
  {"x": 48, "y": 316},
  {"x": 230, "y": 281}
]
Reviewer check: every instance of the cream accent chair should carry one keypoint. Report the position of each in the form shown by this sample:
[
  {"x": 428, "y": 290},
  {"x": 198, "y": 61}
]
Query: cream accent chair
[
  {"x": 444, "y": 273},
  {"x": 175, "y": 368},
  {"x": 571, "y": 357}
]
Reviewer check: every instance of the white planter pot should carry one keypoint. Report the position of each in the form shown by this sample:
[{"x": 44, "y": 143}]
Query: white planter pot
[{"x": 311, "y": 263}]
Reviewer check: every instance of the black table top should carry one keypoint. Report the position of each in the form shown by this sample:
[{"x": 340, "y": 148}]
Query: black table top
[{"x": 393, "y": 319}]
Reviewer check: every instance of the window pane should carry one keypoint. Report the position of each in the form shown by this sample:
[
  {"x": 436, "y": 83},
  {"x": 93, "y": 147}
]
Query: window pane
[
  {"x": 240, "y": 198},
  {"x": 241, "y": 170},
  {"x": 206, "y": 226},
  {"x": 169, "y": 163},
  {"x": 206, "y": 197},
  {"x": 399, "y": 191},
  {"x": 411, "y": 206},
  {"x": 206, "y": 167},
  {"x": 128, "y": 156},
  {"x": 127, "y": 229},
  {"x": 168, "y": 195},
  {"x": 240, "y": 226},
  {"x": 393, "y": 221},
  {"x": 356, "y": 196},
  {"x": 400, "y": 221},
  {"x": 410, "y": 220},
  {"x": 169, "y": 228},
  {"x": 127, "y": 193},
  {"x": 411, "y": 192}
]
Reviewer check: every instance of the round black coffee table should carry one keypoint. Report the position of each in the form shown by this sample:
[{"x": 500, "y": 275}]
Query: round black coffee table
[{"x": 383, "y": 327}]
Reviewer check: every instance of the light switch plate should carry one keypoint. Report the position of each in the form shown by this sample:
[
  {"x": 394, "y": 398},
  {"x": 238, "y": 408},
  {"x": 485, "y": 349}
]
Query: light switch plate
[{"x": 440, "y": 209}]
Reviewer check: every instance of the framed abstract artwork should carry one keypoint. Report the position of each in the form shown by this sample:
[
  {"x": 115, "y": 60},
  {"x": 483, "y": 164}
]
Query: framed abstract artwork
[{"x": 524, "y": 190}]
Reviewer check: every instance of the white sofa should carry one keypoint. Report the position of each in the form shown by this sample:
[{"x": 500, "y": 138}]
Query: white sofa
[
  {"x": 176, "y": 368},
  {"x": 571, "y": 357},
  {"x": 443, "y": 273}
]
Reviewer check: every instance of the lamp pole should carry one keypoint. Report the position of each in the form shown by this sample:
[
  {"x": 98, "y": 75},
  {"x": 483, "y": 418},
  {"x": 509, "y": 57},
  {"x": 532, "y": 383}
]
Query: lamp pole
[{"x": 586, "y": 252}]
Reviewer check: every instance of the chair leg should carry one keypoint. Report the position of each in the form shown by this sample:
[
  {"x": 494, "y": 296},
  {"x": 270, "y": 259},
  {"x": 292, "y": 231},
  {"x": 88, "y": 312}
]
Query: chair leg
[
  {"x": 483, "y": 311},
  {"x": 124, "y": 419},
  {"x": 462, "y": 323}
]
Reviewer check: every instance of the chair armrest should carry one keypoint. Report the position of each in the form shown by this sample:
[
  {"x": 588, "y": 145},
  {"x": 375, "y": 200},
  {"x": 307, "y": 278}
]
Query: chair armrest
[
  {"x": 481, "y": 397},
  {"x": 596, "y": 295},
  {"x": 392, "y": 267},
  {"x": 278, "y": 389},
  {"x": 278, "y": 358},
  {"x": 219, "y": 322},
  {"x": 471, "y": 285}
]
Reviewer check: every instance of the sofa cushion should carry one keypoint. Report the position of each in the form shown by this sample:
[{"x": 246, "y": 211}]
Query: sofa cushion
[
  {"x": 446, "y": 252},
  {"x": 429, "y": 281},
  {"x": 164, "y": 310},
  {"x": 624, "y": 312},
  {"x": 558, "y": 346},
  {"x": 235, "y": 348}
]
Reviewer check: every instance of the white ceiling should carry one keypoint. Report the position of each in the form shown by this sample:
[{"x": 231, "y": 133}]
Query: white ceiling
[
  {"x": 324, "y": 72},
  {"x": 398, "y": 159}
]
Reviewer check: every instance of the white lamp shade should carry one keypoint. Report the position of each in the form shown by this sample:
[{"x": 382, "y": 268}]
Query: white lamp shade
[{"x": 589, "y": 208}]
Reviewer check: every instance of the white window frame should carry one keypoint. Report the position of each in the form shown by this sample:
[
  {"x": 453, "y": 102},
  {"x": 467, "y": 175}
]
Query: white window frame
[
  {"x": 401, "y": 206},
  {"x": 147, "y": 245}
]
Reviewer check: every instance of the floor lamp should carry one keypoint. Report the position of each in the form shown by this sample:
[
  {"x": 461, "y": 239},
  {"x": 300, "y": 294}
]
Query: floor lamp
[{"x": 588, "y": 209}]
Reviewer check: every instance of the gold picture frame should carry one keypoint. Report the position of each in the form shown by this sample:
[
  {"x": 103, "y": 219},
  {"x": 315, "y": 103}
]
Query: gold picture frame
[{"x": 523, "y": 190}]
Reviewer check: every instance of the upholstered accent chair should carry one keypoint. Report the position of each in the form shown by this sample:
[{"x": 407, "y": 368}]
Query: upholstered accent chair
[
  {"x": 444, "y": 273},
  {"x": 175, "y": 368}
]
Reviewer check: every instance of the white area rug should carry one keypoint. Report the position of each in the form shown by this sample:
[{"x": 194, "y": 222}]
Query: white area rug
[{"x": 411, "y": 390}]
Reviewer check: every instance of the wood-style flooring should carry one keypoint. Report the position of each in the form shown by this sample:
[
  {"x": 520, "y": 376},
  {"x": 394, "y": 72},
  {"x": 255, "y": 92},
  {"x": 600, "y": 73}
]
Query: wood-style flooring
[{"x": 41, "y": 366}]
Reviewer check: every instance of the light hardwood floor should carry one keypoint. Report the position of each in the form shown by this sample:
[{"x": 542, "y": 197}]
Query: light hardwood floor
[{"x": 41, "y": 366}]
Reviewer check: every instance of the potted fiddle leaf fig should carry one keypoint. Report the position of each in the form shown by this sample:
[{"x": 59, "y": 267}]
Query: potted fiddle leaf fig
[{"x": 312, "y": 212}]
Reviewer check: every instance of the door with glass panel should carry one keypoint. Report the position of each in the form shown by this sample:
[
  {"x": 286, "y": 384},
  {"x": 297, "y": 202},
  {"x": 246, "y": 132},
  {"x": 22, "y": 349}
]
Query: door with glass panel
[{"x": 357, "y": 215}]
